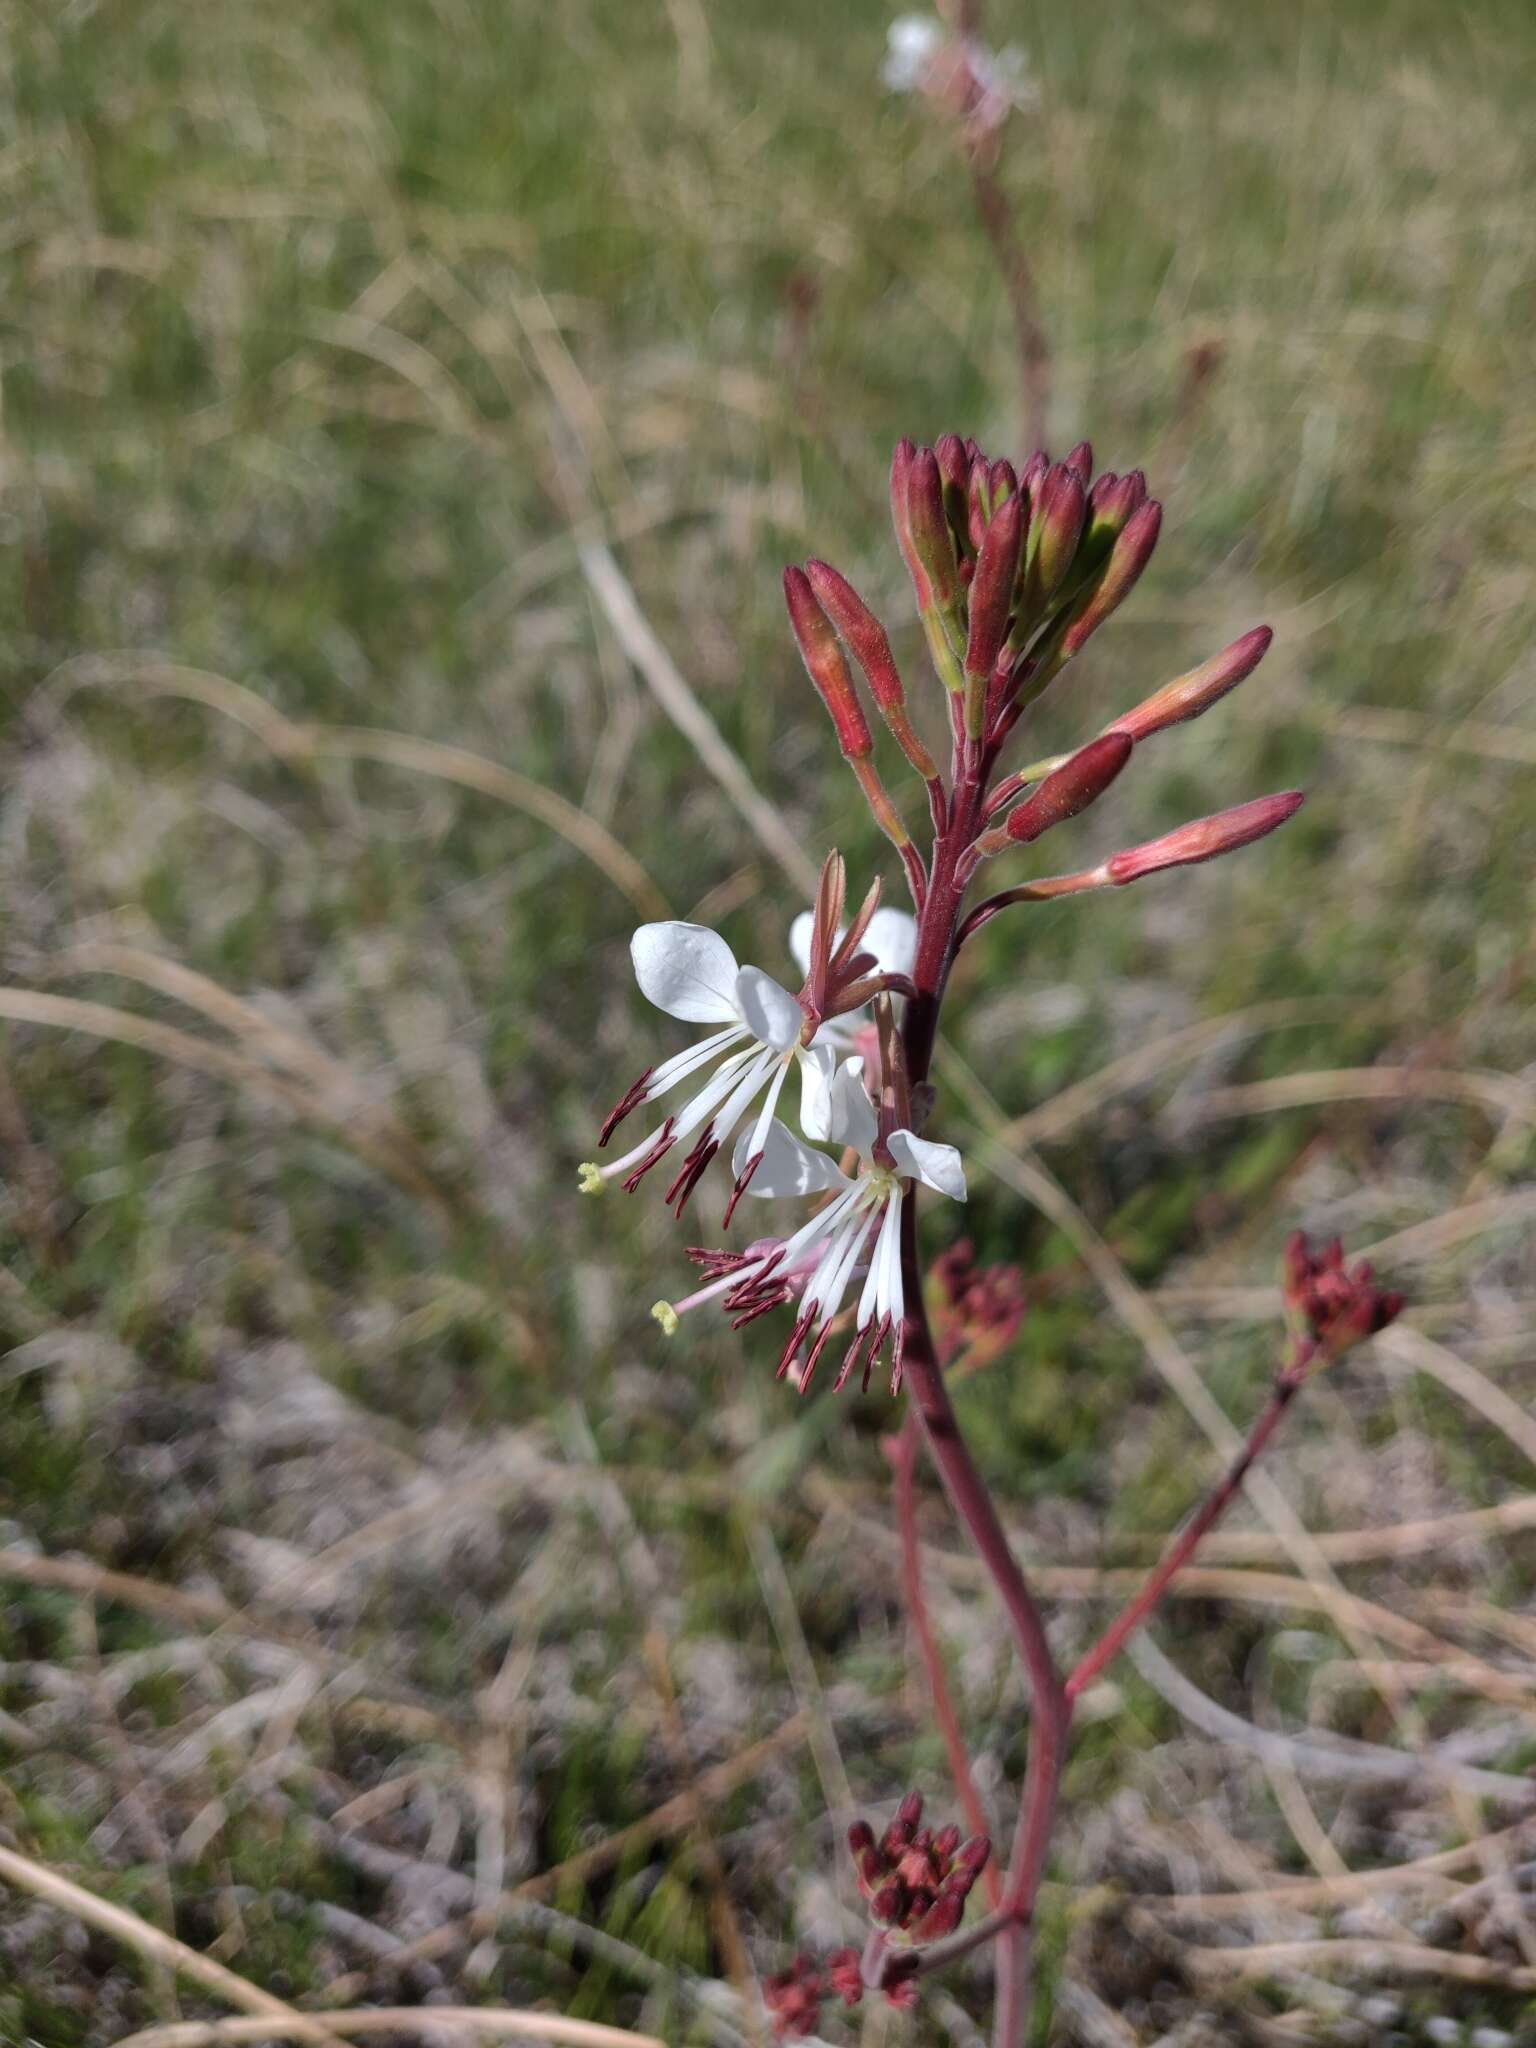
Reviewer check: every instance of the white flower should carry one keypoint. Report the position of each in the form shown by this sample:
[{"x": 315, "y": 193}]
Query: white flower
[
  {"x": 692, "y": 974},
  {"x": 911, "y": 43},
  {"x": 860, "y": 1227},
  {"x": 981, "y": 84}
]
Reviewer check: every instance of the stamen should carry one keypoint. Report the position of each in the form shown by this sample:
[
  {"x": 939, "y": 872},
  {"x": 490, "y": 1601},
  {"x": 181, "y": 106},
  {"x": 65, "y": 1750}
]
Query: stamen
[
  {"x": 743, "y": 1182},
  {"x": 663, "y": 1145},
  {"x": 803, "y": 1323},
  {"x": 631, "y": 1099},
  {"x": 693, "y": 1169}
]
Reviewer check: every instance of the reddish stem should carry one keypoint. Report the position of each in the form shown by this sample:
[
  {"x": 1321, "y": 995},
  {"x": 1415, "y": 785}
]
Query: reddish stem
[
  {"x": 967, "y": 1490},
  {"x": 902, "y": 1452},
  {"x": 1184, "y": 1545}
]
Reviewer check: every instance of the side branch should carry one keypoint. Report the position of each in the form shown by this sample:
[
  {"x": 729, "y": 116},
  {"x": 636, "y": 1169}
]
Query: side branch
[{"x": 1188, "y": 1540}]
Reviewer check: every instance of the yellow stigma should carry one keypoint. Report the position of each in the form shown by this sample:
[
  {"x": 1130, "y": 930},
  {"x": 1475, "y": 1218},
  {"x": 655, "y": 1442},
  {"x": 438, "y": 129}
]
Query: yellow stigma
[
  {"x": 666, "y": 1315},
  {"x": 592, "y": 1182}
]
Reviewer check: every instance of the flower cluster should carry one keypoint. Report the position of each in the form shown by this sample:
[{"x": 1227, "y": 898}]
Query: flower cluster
[{"x": 1332, "y": 1307}]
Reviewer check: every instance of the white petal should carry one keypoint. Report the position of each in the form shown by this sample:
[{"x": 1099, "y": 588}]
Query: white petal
[
  {"x": 771, "y": 1012},
  {"x": 936, "y": 1166},
  {"x": 830, "y": 1282},
  {"x": 700, "y": 1108},
  {"x": 746, "y": 1092},
  {"x": 686, "y": 970},
  {"x": 792, "y": 1252},
  {"x": 892, "y": 938},
  {"x": 800, "y": 940},
  {"x": 818, "y": 1063},
  {"x": 893, "y": 1298},
  {"x": 853, "y": 1119},
  {"x": 788, "y": 1168},
  {"x": 871, "y": 1301},
  {"x": 682, "y": 1064},
  {"x": 759, "y": 1136}
]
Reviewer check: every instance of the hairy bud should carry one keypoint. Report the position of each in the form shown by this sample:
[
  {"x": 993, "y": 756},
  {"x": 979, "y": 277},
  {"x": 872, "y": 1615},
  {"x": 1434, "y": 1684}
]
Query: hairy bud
[
  {"x": 1070, "y": 788},
  {"x": 1127, "y": 558},
  {"x": 1205, "y": 838},
  {"x": 997, "y": 570},
  {"x": 1189, "y": 695},
  {"x": 824, "y": 662}
]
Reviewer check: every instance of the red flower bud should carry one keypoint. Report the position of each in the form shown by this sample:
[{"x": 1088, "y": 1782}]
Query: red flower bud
[
  {"x": 1057, "y": 527},
  {"x": 992, "y": 592},
  {"x": 1081, "y": 459},
  {"x": 955, "y": 472},
  {"x": 824, "y": 662},
  {"x": 945, "y": 1843},
  {"x": 902, "y": 458},
  {"x": 941, "y": 1918},
  {"x": 1187, "y": 696},
  {"x": 1110, "y": 504},
  {"x": 928, "y": 525},
  {"x": 862, "y": 631},
  {"x": 1001, "y": 482},
  {"x": 1205, "y": 838},
  {"x": 1070, "y": 788},
  {"x": 888, "y": 1907},
  {"x": 1127, "y": 558}
]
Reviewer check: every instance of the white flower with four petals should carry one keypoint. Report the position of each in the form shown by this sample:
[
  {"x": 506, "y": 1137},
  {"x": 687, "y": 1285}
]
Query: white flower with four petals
[{"x": 762, "y": 1032}]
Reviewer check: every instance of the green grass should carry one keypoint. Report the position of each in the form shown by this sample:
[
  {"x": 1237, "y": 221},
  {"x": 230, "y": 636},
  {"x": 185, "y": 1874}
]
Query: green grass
[{"x": 324, "y": 331}]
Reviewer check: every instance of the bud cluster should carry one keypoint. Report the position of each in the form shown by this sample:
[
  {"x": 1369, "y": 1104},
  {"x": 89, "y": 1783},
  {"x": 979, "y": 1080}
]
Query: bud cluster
[
  {"x": 1014, "y": 570},
  {"x": 978, "y": 1309},
  {"x": 1332, "y": 1306},
  {"x": 916, "y": 1879},
  {"x": 794, "y": 1998}
]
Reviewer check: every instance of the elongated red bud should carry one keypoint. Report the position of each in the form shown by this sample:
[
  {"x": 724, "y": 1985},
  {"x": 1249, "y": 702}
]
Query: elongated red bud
[
  {"x": 1070, "y": 788},
  {"x": 949, "y": 452},
  {"x": 928, "y": 524},
  {"x": 1187, "y": 696},
  {"x": 1205, "y": 838},
  {"x": 954, "y": 461},
  {"x": 872, "y": 650},
  {"x": 978, "y": 505},
  {"x": 1110, "y": 504},
  {"x": 992, "y": 591},
  {"x": 974, "y": 1856},
  {"x": 1036, "y": 467},
  {"x": 942, "y": 1918},
  {"x": 1127, "y": 558},
  {"x": 1081, "y": 460},
  {"x": 945, "y": 1843},
  {"x": 862, "y": 631},
  {"x": 888, "y": 1907},
  {"x": 1001, "y": 482},
  {"x": 902, "y": 458},
  {"x": 824, "y": 662},
  {"x": 1059, "y": 527}
]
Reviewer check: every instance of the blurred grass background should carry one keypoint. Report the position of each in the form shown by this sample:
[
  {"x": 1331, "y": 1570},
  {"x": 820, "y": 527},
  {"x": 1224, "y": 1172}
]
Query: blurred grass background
[{"x": 330, "y": 337}]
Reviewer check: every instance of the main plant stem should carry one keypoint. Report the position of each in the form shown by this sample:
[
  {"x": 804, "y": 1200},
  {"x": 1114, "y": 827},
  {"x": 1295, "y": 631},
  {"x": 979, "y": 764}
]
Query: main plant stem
[
  {"x": 1052, "y": 1699},
  {"x": 1050, "y": 1709}
]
